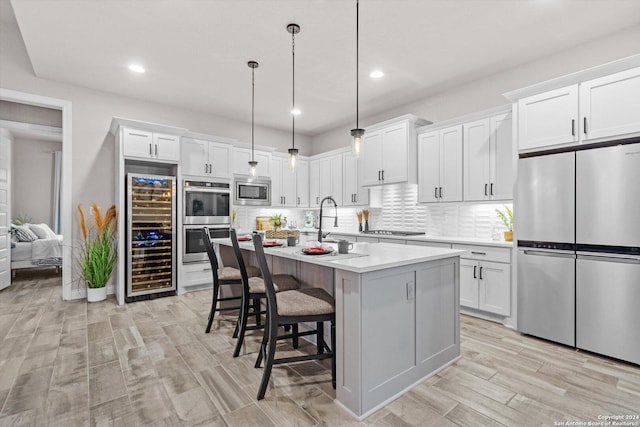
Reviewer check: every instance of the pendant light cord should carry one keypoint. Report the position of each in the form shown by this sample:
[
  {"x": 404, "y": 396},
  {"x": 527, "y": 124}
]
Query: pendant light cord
[
  {"x": 253, "y": 90},
  {"x": 293, "y": 96},
  {"x": 357, "y": 63}
]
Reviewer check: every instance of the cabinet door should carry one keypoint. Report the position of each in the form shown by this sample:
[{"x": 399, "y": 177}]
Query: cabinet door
[
  {"x": 610, "y": 106},
  {"x": 194, "y": 157},
  {"x": 450, "y": 164},
  {"x": 137, "y": 143},
  {"x": 349, "y": 179},
  {"x": 394, "y": 154},
  {"x": 288, "y": 184},
  {"x": 314, "y": 183},
  {"x": 548, "y": 119},
  {"x": 166, "y": 147},
  {"x": 276, "y": 181},
  {"x": 325, "y": 178},
  {"x": 302, "y": 184},
  {"x": 477, "y": 164},
  {"x": 371, "y": 158},
  {"x": 501, "y": 187},
  {"x": 494, "y": 288},
  {"x": 469, "y": 283},
  {"x": 331, "y": 178},
  {"x": 220, "y": 160},
  {"x": 428, "y": 166},
  {"x": 241, "y": 157}
]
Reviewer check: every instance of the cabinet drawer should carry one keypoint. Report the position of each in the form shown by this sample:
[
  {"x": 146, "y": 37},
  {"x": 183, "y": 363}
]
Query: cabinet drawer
[
  {"x": 485, "y": 253},
  {"x": 196, "y": 275},
  {"x": 429, "y": 244}
]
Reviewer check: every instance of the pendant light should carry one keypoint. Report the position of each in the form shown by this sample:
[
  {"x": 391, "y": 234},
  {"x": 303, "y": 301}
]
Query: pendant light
[
  {"x": 293, "y": 29},
  {"x": 252, "y": 163},
  {"x": 357, "y": 133}
]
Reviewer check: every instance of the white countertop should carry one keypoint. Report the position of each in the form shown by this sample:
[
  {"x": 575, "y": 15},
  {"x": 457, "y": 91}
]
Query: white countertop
[
  {"x": 425, "y": 238},
  {"x": 363, "y": 258}
]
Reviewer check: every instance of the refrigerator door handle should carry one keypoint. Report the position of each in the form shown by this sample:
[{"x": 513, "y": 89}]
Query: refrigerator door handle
[
  {"x": 597, "y": 256},
  {"x": 555, "y": 254}
]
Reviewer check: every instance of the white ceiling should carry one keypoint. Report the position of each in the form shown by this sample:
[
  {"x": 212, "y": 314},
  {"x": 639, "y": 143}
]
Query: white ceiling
[{"x": 195, "y": 51}]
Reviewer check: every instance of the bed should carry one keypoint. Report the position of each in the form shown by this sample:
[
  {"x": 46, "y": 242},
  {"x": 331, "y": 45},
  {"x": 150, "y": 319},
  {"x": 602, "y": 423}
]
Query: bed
[{"x": 37, "y": 253}]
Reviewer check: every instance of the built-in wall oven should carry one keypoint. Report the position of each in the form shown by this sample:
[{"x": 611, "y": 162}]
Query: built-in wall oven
[
  {"x": 194, "y": 250},
  {"x": 206, "y": 203}
]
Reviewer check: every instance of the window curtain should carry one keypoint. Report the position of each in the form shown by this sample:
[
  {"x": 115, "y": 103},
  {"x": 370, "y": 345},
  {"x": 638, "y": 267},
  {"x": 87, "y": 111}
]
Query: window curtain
[{"x": 57, "y": 188}]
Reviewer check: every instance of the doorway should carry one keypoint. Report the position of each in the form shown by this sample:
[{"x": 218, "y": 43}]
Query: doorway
[{"x": 66, "y": 179}]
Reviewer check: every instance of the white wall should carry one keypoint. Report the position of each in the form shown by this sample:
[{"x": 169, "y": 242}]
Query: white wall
[
  {"x": 32, "y": 177},
  {"x": 487, "y": 92}
]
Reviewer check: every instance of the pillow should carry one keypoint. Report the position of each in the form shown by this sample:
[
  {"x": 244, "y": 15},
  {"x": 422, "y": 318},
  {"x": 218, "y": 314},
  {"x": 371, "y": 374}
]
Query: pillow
[
  {"x": 24, "y": 234},
  {"x": 42, "y": 231}
]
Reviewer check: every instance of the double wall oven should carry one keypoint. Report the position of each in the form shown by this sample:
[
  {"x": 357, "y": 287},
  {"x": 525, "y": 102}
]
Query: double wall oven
[{"x": 206, "y": 203}]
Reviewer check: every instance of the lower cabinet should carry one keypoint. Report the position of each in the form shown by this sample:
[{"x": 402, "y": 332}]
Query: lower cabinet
[{"x": 485, "y": 279}]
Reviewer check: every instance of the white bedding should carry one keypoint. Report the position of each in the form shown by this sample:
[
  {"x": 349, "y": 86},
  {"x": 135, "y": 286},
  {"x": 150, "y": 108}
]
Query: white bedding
[
  {"x": 21, "y": 252},
  {"x": 47, "y": 248}
]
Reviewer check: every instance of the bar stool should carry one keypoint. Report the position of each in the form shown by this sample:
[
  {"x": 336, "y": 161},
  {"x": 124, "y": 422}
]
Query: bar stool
[
  {"x": 253, "y": 289},
  {"x": 223, "y": 276},
  {"x": 292, "y": 307}
]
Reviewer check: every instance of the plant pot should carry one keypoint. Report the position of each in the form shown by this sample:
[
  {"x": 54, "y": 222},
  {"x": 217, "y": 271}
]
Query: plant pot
[
  {"x": 508, "y": 236},
  {"x": 96, "y": 294}
]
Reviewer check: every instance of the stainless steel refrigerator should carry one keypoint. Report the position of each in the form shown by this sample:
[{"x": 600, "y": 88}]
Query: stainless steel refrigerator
[
  {"x": 578, "y": 228},
  {"x": 151, "y": 236}
]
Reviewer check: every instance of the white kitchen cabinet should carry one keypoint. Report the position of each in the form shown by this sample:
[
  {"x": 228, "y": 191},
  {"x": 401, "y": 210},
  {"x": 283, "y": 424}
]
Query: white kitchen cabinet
[
  {"x": 353, "y": 192},
  {"x": 595, "y": 110},
  {"x": 488, "y": 161},
  {"x": 150, "y": 145},
  {"x": 610, "y": 105},
  {"x": 548, "y": 119},
  {"x": 388, "y": 153},
  {"x": 314, "y": 183},
  {"x": 440, "y": 165},
  {"x": 302, "y": 184},
  {"x": 325, "y": 179},
  {"x": 205, "y": 158},
  {"x": 242, "y": 156},
  {"x": 485, "y": 279},
  {"x": 283, "y": 183}
]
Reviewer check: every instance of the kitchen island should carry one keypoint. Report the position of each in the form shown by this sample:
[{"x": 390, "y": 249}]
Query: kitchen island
[{"x": 397, "y": 313}]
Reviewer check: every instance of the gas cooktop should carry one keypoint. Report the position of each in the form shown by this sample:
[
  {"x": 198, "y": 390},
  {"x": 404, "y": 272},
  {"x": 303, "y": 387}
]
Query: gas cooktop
[{"x": 395, "y": 233}]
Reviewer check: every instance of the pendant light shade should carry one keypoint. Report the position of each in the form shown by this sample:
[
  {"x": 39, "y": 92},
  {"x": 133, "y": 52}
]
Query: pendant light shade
[
  {"x": 252, "y": 163},
  {"x": 293, "y": 29},
  {"x": 357, "y": 143}
]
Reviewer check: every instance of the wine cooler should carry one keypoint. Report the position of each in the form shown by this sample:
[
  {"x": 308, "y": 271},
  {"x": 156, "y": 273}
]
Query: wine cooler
[{"x": 151, "y": 236}]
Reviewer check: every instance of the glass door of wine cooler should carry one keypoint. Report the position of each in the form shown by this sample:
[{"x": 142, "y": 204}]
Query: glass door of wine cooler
[{"x": 151, "y": 214}]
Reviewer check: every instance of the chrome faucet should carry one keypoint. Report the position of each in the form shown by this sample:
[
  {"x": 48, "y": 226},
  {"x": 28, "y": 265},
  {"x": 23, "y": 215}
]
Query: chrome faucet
[{"x": 335, "y": 222}]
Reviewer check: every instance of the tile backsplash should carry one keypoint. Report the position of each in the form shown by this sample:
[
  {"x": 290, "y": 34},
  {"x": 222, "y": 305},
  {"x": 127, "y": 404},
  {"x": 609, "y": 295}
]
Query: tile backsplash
[{"x": 401, "y": 211}]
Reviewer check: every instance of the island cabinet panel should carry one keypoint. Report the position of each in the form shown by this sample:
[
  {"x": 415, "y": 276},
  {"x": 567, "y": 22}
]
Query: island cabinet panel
[
  {"x": 407, "y": 318},
  {"x": 389, "y": 313}
]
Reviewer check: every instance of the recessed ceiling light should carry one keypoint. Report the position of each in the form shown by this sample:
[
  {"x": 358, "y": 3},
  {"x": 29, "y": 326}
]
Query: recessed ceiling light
[
  {"x": 296, "y": 112},
  {"x": 137, "y": 68},
  {"x": 376, "y": 74}
]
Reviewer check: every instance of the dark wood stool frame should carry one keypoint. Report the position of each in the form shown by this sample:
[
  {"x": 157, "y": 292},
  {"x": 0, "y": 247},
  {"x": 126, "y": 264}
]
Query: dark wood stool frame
[
  {"x": 213, "y": 260},
  {"x": 270, "y": 337}
]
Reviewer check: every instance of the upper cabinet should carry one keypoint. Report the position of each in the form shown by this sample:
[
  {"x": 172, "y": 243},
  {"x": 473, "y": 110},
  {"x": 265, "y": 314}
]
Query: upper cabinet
[
  {"x": 330, "y": 178},
  {"x": 302, "y": 183},
  {"x": 147, "y": 145},
  {"x": 389, "y": 152},
  {"x": 488, "y": 159},
  {"x": 595, "y": 110},
  {"x": 242, "y": 156},
  {"x": 314, "y": 183},
  {"x": 205, "y": 158},
  {"x": 610, "y": 105},
  {"x": 440, "y": 165},
  {"x": 283, "y": 183},
  {"x": 353, "y": 194}
]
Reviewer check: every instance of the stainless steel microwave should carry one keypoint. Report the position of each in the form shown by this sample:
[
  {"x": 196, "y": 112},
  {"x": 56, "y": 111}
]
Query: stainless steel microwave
[{"x": 251, "y": 191}]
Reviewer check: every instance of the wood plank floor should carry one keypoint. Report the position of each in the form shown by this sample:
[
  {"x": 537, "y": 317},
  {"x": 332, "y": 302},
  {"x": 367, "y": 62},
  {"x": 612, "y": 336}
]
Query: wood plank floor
[{"x": 150, "y": 363}]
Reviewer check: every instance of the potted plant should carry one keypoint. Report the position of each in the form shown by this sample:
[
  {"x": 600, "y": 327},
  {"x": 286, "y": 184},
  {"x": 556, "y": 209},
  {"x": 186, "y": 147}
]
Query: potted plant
[
  {"x": 507, "y": 220},
  {"x": 277, "y": 221},
  {"x": 98, "y": 251}
]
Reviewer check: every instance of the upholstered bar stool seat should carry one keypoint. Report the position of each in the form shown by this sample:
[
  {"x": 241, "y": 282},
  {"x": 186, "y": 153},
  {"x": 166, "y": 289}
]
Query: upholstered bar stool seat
[
  {"x": 230, "y": 273},
  {"x": 305, "y": 302}
]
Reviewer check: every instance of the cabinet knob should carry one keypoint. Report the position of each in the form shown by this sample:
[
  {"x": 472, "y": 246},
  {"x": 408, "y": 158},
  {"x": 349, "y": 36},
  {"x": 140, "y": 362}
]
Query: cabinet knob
[
  {"x": 584, "y": 126},
  {"x": 435, "y": 192},
  {"x": 150, "y": 150},
  {"x": 573, "y": 127},
  {"x": 440, "y": 192},
  {"x": 491, "y": 189},
  {"x": 481, "y": 272},
  {"x": 383, "y": 175},
  {"x": 474, "y": 271},
  {"x": 485, "y": 189}
]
